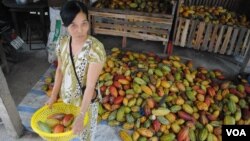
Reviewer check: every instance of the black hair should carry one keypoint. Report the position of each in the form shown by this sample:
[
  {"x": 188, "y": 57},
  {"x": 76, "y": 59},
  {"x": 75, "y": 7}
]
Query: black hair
[{"x": 70, "y": 9}]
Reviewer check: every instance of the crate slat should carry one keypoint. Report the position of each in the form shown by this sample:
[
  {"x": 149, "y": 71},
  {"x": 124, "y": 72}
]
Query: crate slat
[
  {"x": 215, "y": 3},
  {"x": 207, "y": 37},
  {"x": 132, "y": 29},
  {"x": 226, "y": 3},
  {"x": 139, "y": 18},
  {"x": 219, "y": 2},
  {"x": 233, "y": 41},
  {"x": 240, "y": 40},
  {"x": 178, "y": 34},
  {"x": 166, "y": 26},
  {"x": 247, "y": 49},
  {"x": 210, "y": 2},
  {"x": 245, "y": 43},
  {"x": 219, "y": 39},
  {"x": 214, "y": 36},
  {"x": 196, "y": 2},
  {"x": 226, "y": 40},
  {"x": 200, "y": 32},
  {"x": 184, "y": 33},
  {"x": 200, "y": 2},
  {"x": 131, "y": 35},
  {"x": 192, "y": 33}
]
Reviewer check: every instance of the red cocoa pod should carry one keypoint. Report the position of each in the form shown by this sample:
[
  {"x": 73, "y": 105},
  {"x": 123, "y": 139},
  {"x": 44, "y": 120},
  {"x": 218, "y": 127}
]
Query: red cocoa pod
[
  {"x": 201, "y": 91},
  {"x": 68, "y": 119},
  {"x": 247, "y": 89},
  {"x": 103, "y": 88},
  {"x": 59, "y": 128},
  {"x": 113, "y": 91},
  {"x": 211, "y": 91},
  {"x": 118, "y": 100},
  {"x": 185, "y": 116},
  {"x": 183, "y": 134},
  {"x": 117, "y": 84},
  {"x": 156, "y": 125},
  {"x": 211, "y": 117}
]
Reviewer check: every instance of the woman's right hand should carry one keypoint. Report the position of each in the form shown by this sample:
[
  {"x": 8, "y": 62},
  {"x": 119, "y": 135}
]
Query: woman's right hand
[{"x": 51, "y": 101}]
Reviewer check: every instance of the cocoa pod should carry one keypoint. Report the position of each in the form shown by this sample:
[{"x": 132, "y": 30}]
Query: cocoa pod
[
  {"x": 183, "y": 134},
  {"x": 135, "y": 136},
  {"x": 67, "y": 120},
  {"x": 203, "y": 118},
  {"x": 203, "y": 134},
  {"x": 156, "y": 125},
  {"x": 217, "y": 131},
  {"x": 185, "y": 116},
  {"x": 225, "y": 85},
  {"x": 145, "y": 132},
  {"x": 128, "y": 126},
  {"x": 113, "y": 123},
  {"x": 147, "y": 90},
  {"x": 187, "y": 108},
  {"x": 59, "y": 128},
  {"x": 168, "y": 137},
  {"x": 229, "y": 120},
  {"x": 125, "y": 136},
  {"x": 211, "y": 91},
  {"x": 118, "y": 100},
  {"x": 191, "y": 134},
  {"x": 58, "y": 116}
]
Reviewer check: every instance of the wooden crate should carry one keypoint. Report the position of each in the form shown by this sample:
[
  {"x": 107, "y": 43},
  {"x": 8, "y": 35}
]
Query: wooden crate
[
  {"x": 59, "y": 3},
  {"x": 216, "y": 38},
  {"x": 139, "y": 25},
  {"x": 228, "y": 4}
]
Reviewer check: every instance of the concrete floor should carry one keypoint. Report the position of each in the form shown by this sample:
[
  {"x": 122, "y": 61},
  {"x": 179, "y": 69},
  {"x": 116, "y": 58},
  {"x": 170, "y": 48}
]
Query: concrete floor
[{"x": 33, "y": 64}]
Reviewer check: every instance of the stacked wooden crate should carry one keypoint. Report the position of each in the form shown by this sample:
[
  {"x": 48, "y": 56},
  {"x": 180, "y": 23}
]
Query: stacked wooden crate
[
  {"x": 215, "y": 38},
  {"x": 133, "y": 24}
]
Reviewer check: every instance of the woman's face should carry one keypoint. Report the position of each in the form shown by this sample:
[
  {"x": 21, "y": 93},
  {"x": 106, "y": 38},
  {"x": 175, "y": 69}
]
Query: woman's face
[{"x": 79, "y": 27}]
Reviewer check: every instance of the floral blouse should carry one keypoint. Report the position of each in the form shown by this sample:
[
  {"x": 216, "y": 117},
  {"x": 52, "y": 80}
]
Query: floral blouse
[{"x": 92, "y": 52}]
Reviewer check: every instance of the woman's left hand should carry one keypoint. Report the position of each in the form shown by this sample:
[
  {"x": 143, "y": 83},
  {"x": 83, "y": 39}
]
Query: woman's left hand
[{"x": 78, "y": 125}]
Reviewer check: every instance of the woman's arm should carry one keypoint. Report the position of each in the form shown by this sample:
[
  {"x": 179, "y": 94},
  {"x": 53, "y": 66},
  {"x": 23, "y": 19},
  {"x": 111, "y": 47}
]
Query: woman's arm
[
  {"x": 57, "y": 85},
  {"x": 93, "y": 73}
]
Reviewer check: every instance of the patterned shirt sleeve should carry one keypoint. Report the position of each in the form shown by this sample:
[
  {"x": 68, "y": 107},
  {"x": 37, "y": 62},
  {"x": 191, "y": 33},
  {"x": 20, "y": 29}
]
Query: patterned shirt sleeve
[
  {"x": 97, "y": 53},
  {"x": 58, "y": 48}
]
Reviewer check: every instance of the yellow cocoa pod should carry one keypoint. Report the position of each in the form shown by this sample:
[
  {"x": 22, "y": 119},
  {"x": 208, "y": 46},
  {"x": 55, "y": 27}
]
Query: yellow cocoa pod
[
  {"x": 145, "y": 132},
  {"x": 125, "y": 136}
]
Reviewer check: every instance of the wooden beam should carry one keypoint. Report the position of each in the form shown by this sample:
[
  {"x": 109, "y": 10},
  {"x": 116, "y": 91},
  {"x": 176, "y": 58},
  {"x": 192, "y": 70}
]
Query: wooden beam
[{"x": 9, "y": 113}]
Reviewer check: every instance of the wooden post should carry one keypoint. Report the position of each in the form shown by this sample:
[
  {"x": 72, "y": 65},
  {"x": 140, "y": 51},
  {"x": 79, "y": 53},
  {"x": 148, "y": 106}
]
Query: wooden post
[{"x": 9, "y": 113}]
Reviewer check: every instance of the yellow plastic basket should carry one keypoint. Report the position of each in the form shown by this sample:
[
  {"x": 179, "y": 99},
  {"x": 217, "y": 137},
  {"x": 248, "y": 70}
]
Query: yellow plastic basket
[{"x": 42, "y": 114}]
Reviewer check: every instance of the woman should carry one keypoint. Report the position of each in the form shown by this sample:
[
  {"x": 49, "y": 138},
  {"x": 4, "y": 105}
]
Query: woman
[{"x": 88, "y": 57}]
